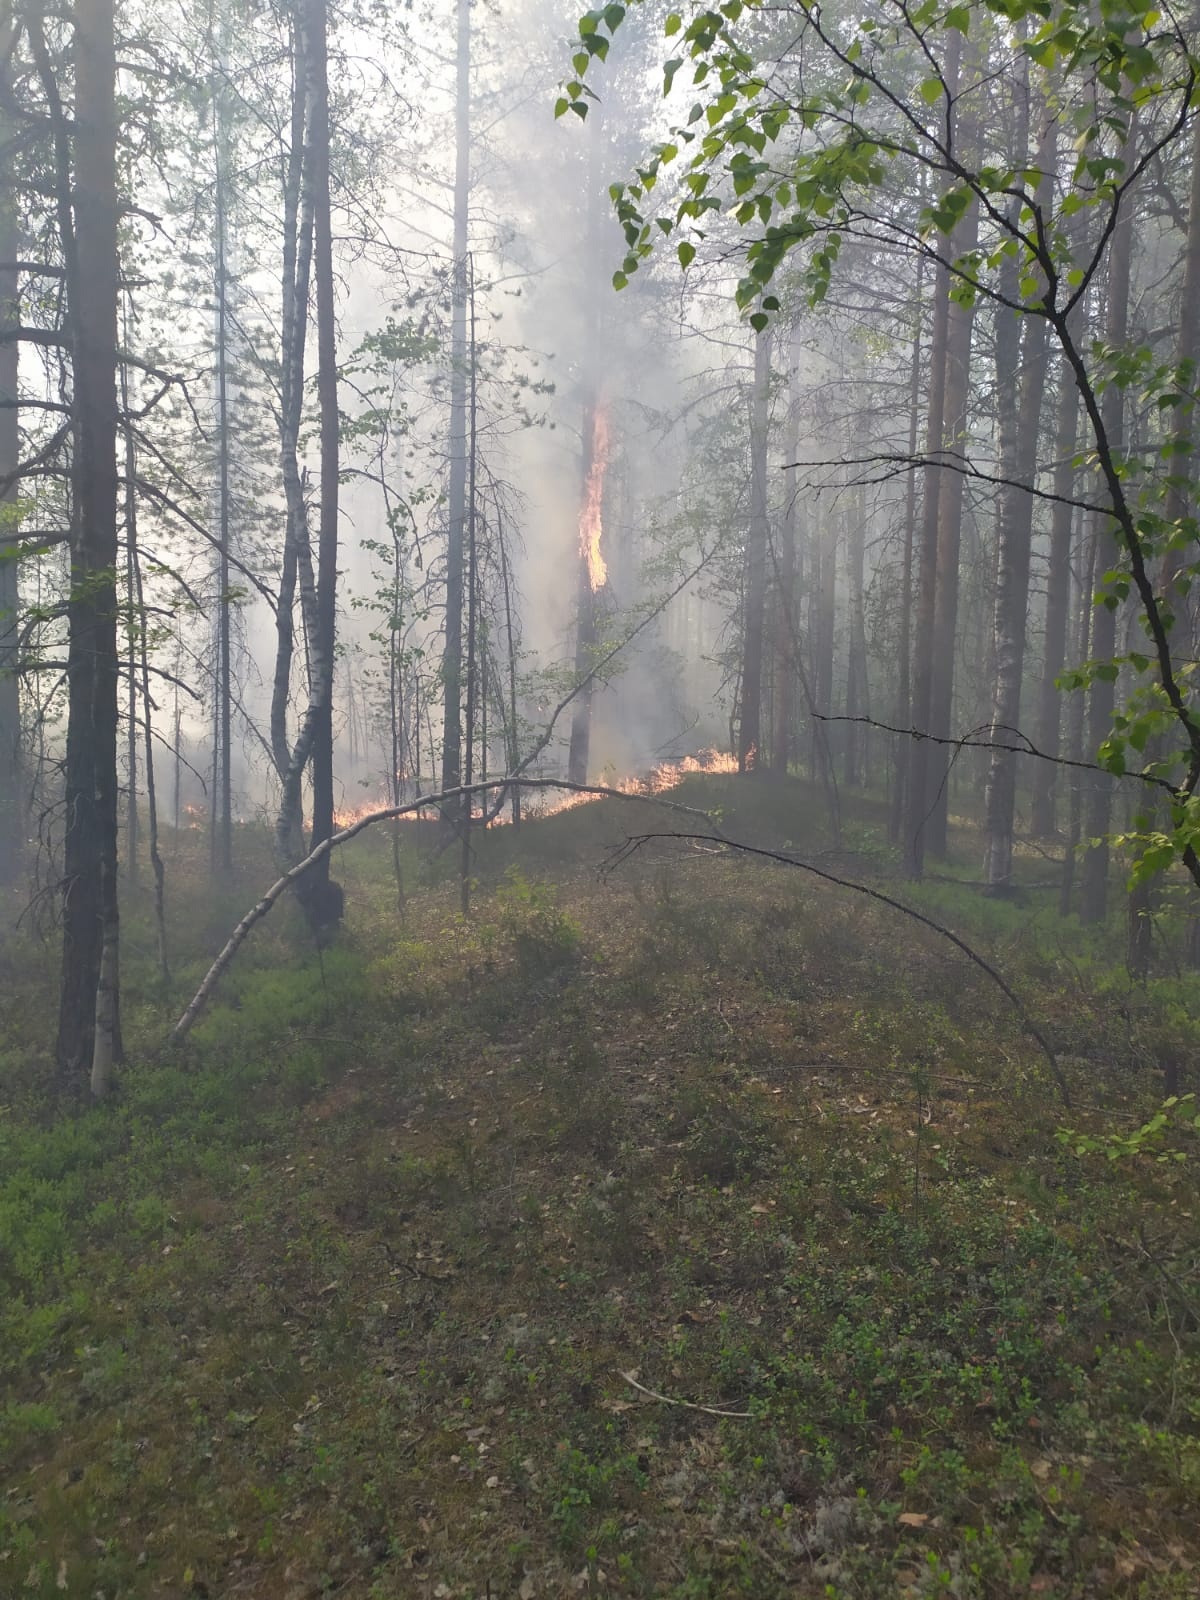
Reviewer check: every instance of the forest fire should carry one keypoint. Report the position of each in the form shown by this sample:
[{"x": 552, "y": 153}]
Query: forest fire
[
  {"x": 591, "y": 517},
  {"x": 347, "y": 816},
  {"x": 662, "y": 776}
]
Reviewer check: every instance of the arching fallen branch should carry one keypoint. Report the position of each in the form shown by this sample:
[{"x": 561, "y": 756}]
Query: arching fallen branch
[
  {"x": 633, "y": 844},
  {"x": 281, "y": 885},
  {"x": 602, "y": 792}
]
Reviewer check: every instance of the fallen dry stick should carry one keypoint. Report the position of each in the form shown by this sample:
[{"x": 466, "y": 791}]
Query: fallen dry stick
[{"x": 688, "y": 1405}]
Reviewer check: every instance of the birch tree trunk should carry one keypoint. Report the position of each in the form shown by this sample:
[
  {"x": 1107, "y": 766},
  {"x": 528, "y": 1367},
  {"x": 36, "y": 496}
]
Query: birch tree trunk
[
  {"x": 754, "y": 607},
  {"x": 903, "y": 709},
  {"x": 89, "y": 1030},
  {"x": 297, "y": 266},
  {"x": 786, "y": 631},
  {"x": 323, "y": 650},
  {"x": 222, "y": 815},
  {"x": 457, "y": 490}
]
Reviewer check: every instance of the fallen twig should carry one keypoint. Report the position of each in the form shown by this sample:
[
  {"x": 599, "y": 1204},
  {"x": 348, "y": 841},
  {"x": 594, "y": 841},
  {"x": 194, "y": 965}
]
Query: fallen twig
[{"x": 688, "y": 1405}]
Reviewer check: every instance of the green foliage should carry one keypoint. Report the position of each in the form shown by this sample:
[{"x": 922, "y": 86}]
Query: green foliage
[
  {"x": 545, "y": 940},
  {"x": 796, "y": 166},
  {"x": 1178, "y": 1119}
]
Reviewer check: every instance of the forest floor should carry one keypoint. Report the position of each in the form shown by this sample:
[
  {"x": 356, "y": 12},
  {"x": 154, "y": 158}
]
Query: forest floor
[{"x": 696, "y": 1229}]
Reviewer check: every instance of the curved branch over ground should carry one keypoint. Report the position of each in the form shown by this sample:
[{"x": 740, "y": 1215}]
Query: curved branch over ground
[
  {"x": 714, "y": 836},
  {"x": 425, "y": 802}
]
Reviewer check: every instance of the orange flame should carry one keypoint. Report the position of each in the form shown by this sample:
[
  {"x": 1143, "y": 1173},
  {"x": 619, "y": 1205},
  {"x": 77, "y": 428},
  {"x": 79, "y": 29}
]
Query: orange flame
[
  {"x": 591, "y": 517},
  {"x": 665, "y": 775},
  {"x": 547, "y": 803}
]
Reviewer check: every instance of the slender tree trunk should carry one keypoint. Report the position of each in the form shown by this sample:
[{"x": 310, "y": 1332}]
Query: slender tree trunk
[
  {"x": 136, "y": 628},
  {"x": 786, "y": 621},
  {"x": 89, "y": 1031},
  {"x": 457, "y": 509},
  {"x": 297, "y": 263},
  {"x": 754, "y": 611},
  {"x": 1093, "y": 880},
  {"x": 1058, "y": 603},
  {"x": 472, "y": 578},
  {"x": 222, "y": 831},
  {"x": 10, "y": 455},
  {"x": 323, "y": 651},
  {"x": 927, "y": 610},
  {"x": 1018, "y": 469},
  {"x": 396, "y": 710},
  {"x": 1144, "y": 896},
  {"x": 590, "y": 582},
  {"x": 512, "y": 727},
  {"x": 138, "y": 598},
  {"x": 322, "y": 900},
  {"x": 822, "y": 606},
  {"x": 1076, "y": 718},
  {"x": 857, "y": 694},
  {"x": 1011, "y": 610},
  {"x": 950, "y": 506},
  {"x": 903, "y": 704}
]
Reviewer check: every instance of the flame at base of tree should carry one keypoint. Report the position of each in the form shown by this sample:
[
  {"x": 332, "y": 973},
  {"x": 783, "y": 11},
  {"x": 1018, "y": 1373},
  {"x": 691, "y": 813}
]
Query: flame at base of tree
[{"x": 591, "y": 516}]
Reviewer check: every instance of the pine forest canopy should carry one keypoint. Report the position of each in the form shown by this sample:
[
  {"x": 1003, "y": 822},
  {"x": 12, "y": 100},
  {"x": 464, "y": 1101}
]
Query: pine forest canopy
[{"x": 335, "y": 475}]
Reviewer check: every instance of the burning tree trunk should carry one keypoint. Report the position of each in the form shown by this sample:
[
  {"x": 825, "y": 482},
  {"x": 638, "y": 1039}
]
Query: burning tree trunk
[{"x": 593, "y": 578}]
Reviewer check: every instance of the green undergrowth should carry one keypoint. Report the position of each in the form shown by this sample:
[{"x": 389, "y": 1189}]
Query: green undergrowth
[{"x": 693, "y": 1230}]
